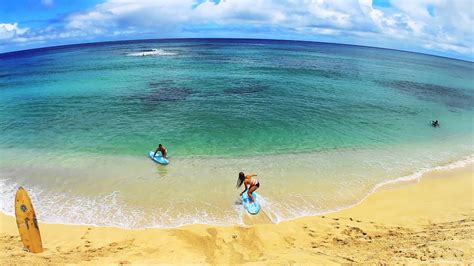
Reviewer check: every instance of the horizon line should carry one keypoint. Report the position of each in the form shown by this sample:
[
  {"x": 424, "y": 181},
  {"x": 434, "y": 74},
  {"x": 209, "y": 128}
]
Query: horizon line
[{"x": 178, "y": 39}]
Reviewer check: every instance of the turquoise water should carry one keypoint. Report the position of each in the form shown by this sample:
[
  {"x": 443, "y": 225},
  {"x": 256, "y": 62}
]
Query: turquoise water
[{"x": 74, "y": 118}]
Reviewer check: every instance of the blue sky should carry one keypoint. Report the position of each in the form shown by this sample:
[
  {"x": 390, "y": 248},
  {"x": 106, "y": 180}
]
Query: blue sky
[{"x": 440, "y": 27}]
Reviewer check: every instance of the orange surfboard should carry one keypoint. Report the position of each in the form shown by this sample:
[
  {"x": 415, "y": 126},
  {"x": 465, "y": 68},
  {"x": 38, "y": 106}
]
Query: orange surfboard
[{"x": 26, "y": 221}]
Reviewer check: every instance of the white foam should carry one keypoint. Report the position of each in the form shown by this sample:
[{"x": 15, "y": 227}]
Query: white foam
[
  {"x": 109, "y": 210},
  {"x": 152, "y": 52},
  {"x": 268, "y": 208},
  {"x": 7, "y": 196},
  {"x": 106, "y": 210},
  {"x": 418, "y": 174}
]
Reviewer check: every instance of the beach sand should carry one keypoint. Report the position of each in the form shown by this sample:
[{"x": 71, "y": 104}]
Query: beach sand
[{"x": 427, "y": 221}]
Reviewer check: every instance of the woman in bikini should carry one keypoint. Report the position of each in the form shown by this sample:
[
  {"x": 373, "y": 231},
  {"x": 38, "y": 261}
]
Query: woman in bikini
[{"x": 251, "y": 184}]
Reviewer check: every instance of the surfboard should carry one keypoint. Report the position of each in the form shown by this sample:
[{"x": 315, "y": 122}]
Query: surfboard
[
  {"x": 27, "y": 223},
  {"x": 158, "y": 158},
  {"x": 251, "y": 207}
]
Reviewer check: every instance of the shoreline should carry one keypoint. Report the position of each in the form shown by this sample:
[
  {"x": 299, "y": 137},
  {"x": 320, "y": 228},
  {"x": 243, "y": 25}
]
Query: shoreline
[
  {"x": 273, "y": 213},
  {"x": 413, "y": 177},
  {"x": 425, "y": 221}
]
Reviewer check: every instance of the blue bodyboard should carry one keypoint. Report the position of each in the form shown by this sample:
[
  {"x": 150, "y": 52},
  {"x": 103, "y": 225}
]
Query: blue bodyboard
[
  {"x": 158, "y": 158},
  {"x": 251, "y": 207}
]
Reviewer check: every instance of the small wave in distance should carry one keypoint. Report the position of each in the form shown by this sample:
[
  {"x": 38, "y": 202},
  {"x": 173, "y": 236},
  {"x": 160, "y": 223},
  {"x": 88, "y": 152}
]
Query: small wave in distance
[{"x": 151, "y": 52}]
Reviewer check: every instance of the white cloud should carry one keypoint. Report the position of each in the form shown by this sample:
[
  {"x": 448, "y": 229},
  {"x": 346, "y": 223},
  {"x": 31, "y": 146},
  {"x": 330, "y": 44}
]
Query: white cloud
[
  {"x": 142, "y": 15},
  {"x": 427, "y": 24},
  {"x": 9, "y": 31},
  {"x": 448, "y": 29}
]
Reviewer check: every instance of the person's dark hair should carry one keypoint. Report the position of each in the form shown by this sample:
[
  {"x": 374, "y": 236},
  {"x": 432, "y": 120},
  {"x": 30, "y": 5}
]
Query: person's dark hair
[
  {"x": 240, "y": 180},
  {"x": 159, "y": 145}
]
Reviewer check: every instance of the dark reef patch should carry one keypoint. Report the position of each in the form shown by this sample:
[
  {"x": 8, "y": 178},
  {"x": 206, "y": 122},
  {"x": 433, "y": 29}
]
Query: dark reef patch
[
  {"x": 160, "y": 92},
  {"x": 450, "y": 96},
  {"x": 168, "y": 94}
]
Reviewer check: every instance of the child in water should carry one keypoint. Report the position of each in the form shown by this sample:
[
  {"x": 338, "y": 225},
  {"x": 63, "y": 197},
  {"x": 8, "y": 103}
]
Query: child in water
[
  {"x": 249, "y": 182},
  {"x": 162, "y": 149}
]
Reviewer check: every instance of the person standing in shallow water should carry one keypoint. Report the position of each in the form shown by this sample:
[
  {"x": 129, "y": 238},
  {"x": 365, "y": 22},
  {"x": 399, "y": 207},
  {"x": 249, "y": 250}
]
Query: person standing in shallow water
[
  {"x": 251, "y": 184},
  {"x": 162, "y": 149},
  {"x": 435, "y": 123}
]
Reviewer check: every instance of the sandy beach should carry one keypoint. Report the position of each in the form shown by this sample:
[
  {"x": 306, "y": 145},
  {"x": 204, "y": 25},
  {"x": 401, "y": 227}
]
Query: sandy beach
[{"x": 430, "y": 220}]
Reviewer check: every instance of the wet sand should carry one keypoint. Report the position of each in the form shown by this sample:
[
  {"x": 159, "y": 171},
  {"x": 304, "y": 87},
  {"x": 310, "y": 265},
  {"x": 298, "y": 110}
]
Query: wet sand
[{"x": 427, "y": 221}]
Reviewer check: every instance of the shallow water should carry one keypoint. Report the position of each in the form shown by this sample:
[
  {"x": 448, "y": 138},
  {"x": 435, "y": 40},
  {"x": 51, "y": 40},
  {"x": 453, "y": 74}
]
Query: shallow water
[{"x": 321, "y": 125}]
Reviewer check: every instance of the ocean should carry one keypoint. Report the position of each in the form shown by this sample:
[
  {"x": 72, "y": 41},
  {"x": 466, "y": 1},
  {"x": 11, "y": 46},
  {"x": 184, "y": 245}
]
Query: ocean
[{"x": 322, "y": 125}]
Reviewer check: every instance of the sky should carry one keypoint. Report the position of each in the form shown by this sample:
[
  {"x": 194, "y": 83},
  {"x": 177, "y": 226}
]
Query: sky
[{"x": 438, "y": 27}]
